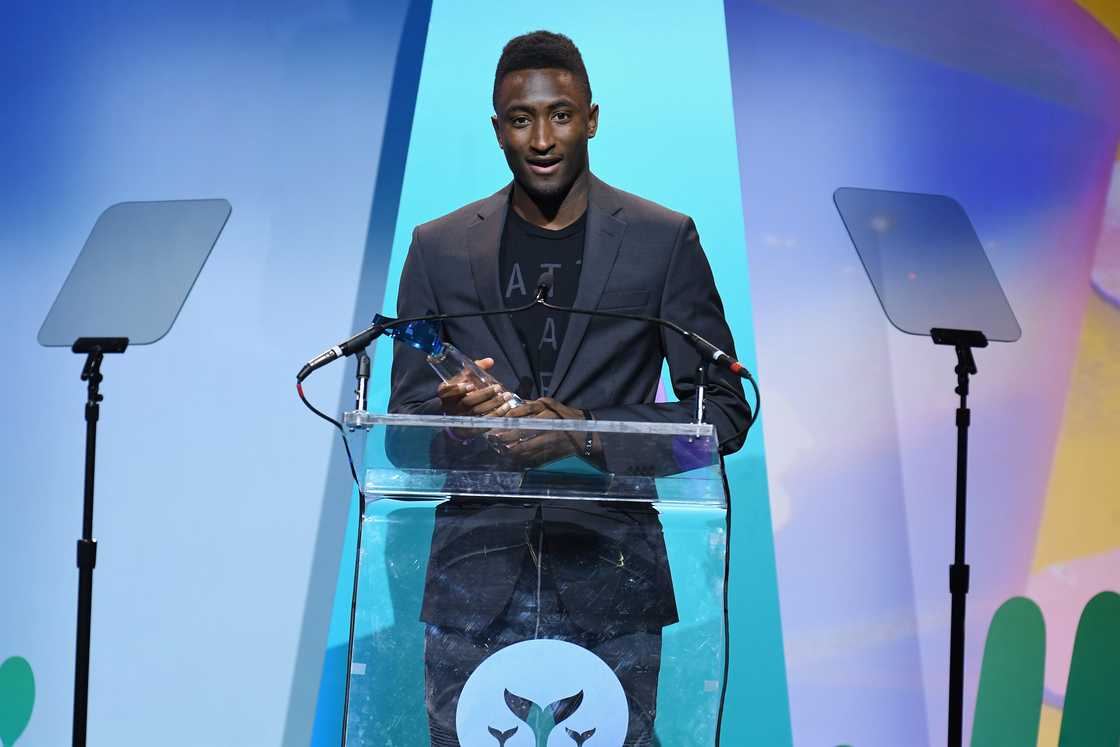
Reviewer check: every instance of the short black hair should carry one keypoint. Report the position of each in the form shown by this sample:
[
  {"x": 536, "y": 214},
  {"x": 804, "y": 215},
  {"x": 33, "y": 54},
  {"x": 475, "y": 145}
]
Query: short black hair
[{"x": 537, "y": 50}]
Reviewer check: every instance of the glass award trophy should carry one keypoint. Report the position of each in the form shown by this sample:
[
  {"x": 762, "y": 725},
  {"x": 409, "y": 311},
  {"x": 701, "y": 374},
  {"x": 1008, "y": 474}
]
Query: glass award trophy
[{"x": 444, "y": 358}]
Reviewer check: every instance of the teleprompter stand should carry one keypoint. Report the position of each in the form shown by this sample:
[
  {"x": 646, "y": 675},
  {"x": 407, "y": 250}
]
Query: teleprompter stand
[
  {"x": 94, "y": 349},
  {"x": 127, "y": 286},
  {"x": 963, "y": 341},
  {"x": 931, "y": 275}
]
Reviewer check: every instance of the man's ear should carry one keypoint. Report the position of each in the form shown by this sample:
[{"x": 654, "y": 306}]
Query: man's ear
[
  {"x": 593, "y": 121},
  {"x": 497, "y": 131}
]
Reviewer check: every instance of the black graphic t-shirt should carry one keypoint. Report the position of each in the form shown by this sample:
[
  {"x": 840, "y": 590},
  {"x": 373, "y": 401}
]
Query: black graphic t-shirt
[{"x": 526, "y": 252}]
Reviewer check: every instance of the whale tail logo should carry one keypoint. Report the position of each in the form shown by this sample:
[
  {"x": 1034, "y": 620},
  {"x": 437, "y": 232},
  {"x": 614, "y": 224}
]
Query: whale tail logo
[
  {"x": 502, "y": 736},
  {"x": 543, "y": 720},
  {"x": 580, "y": 737}
]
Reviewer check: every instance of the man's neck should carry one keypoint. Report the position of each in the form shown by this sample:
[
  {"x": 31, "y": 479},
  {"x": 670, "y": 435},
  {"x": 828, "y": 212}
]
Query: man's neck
[{"x": 557, "y": 214}]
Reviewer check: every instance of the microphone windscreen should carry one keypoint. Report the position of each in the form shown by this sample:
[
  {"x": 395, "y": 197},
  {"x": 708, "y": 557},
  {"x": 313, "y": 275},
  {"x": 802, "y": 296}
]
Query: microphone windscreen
[{"x": 545, "y": 282}]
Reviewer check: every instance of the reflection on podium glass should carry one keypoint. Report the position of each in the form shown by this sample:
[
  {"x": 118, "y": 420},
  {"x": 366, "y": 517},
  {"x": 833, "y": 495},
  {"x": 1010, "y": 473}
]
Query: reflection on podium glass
[{"x": 618, "y": 559}]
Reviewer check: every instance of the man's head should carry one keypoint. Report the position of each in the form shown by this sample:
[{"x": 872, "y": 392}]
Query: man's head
[{"x": 543, "y": 115}]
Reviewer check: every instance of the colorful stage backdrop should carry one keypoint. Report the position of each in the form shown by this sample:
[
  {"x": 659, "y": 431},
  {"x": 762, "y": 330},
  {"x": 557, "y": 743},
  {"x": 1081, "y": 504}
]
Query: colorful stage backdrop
[{"x": 222, "y": 510}]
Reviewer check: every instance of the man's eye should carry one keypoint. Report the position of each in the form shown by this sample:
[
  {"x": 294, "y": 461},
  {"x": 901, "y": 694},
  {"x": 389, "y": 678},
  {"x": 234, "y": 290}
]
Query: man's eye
[
  {"x": 520, "y": 121},
  {"x": 561, "y": 116}
]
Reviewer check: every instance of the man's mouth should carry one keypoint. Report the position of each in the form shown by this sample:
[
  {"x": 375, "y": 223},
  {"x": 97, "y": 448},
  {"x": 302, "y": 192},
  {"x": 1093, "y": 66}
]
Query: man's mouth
[{"x": 544, "y": 166}]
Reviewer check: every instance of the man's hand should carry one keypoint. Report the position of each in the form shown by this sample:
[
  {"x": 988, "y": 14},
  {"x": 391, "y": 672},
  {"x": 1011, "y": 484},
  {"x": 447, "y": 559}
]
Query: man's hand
[
  {"x": 535, "y": 448},
  {"x": 460, "y": 396},
  {"x": 547, "y": 408}
]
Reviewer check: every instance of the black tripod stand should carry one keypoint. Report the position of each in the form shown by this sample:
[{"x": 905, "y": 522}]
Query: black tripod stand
[
  {"x": 964, "y": 341},
  {"x": 94, "y": 349},
  {"x": 107, "y": 303},
  {"x": 929, "y": 269}
]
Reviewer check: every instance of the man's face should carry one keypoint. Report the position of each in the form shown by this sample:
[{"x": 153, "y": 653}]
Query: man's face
[{"x": 543, "y": 123}]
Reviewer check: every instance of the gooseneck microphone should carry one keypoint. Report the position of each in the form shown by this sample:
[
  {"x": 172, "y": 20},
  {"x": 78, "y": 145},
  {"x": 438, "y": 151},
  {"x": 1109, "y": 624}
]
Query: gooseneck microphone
[
  {"x": 545, "y": 283},
  {"x": 362, "y": 340},
  {"x": 707, "y": 350},
  {"x": 347, "y": 347}
]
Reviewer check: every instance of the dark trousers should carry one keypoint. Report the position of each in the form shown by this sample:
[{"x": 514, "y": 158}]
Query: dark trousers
[{"x": 535, "y": 611}]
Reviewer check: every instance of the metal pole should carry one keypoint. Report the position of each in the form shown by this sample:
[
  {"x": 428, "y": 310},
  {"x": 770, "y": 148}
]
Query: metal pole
[
  {"x": 959, "y": 571},
  {"x": 87, "y": 552}
]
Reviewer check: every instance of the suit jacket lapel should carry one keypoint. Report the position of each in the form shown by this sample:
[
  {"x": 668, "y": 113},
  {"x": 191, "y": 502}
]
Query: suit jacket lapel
[
  {"x": 484, "y": 236},
  {"x": 605, "y": 227}
]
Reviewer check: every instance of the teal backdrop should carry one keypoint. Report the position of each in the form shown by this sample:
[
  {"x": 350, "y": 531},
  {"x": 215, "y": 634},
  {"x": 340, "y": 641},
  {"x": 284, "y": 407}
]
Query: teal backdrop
[{"x": 660, "y": 74}]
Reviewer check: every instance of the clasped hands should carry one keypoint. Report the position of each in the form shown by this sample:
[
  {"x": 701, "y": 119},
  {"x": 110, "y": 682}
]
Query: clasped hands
[{"x": 459, "y": 396}]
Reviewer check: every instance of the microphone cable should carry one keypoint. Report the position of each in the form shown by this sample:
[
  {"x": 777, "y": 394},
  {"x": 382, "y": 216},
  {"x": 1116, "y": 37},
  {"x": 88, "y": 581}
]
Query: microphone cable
[
  {"x": 357, "y": 552},
  {"x": 375, "y": 331},
  {"x": 746, "y": 374},
  {"x": 341, "y": 431},
  {"x": 690, "y": 337},
  {"x": 543, "y": 288},
  {"x": 754, "y": 411}
]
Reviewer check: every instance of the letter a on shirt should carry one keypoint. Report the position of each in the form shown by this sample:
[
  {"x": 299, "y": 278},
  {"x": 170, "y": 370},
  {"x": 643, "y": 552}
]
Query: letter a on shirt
[{"x": 515, "y": 280}]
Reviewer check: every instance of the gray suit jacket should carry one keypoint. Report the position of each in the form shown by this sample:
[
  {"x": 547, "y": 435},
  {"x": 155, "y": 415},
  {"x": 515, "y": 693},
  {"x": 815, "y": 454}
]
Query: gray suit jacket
[{"x": 638, "y": 257}]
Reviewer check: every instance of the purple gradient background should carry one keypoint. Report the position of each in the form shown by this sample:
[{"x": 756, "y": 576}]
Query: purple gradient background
[{"x": 859, "y": 430}]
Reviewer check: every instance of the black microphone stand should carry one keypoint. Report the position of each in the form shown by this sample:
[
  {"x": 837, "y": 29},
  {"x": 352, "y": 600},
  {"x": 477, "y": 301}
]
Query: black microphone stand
[
  {"x": 963, "y": 341},
  {"x": 94, "y": 349},
  {"x": 357, "y": 345},
  {"x": 701, "y": 388},
  {"x": 361, "y": 394},
  {"x": 361, "y": 390}
]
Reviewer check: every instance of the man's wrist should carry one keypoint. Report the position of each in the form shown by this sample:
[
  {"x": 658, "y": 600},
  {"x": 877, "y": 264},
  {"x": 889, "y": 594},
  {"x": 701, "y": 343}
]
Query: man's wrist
[{"x": 589, "y": 437}]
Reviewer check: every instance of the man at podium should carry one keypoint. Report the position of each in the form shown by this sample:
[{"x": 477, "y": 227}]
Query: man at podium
[{"x": 594, "y": 575}]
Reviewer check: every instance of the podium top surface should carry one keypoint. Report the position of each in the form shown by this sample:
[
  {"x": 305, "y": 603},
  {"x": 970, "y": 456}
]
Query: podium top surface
[{"x": 427, "y": 456}]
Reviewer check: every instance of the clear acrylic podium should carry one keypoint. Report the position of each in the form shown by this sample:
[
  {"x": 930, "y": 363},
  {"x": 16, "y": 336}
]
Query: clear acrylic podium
[{"x": 617, "y": 510}]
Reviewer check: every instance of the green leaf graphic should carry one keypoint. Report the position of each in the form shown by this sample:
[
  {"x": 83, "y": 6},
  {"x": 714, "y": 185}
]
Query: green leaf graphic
[{"x": 17, "y": 698}]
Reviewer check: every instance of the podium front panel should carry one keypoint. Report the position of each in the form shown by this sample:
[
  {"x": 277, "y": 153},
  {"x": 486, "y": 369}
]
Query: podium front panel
[
  {"x": 428, "y": 456},
  {"x": 571, "y": 610}
]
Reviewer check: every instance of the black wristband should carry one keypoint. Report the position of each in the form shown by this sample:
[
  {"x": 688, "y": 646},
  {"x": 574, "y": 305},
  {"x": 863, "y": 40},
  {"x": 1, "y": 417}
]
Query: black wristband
[{"x": 589, "y": 442}]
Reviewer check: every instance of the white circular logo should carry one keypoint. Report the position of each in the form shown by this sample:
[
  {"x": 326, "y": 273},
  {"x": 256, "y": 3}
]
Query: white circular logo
[{"x": 542, "y": 693}]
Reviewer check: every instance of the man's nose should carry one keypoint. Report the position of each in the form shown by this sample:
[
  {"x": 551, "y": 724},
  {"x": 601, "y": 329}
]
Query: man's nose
[{"x": 542, "y": 140}]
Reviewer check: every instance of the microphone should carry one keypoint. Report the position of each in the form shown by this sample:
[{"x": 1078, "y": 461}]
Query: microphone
[
  {"x": 545, "y": 284},
  {"x": 362, "y": 340},
  {"x": 347, "y": 347},
  {"x": 716, "y": 356},
  {"x": 361, "y": 393},
  {"x": 707, "y": 350}
]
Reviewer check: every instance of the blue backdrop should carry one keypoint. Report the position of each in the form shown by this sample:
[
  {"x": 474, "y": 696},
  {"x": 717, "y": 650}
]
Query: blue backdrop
[
  {"x": 222, "y": 504},
  {"x": 211, "y": 475}
]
